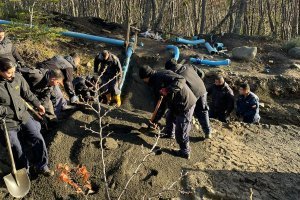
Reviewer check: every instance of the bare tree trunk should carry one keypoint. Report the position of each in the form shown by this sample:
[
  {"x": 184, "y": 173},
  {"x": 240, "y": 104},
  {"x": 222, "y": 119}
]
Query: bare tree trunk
[
  {"x": 238, "y": 19},
  {"x": 203, "y": 17},
  {"x": 272, "y": 27},
  {"x": 157, "y": 24},
  {"x": 146, "y": 16}
]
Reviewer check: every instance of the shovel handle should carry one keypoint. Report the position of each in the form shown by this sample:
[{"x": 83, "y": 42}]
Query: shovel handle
[
  {"x": 11, "y": 156},
  {"x": 156, "y": 108},
  {"x": 34, "y": 112}
]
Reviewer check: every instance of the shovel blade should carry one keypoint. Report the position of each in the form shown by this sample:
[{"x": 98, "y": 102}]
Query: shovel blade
[{"x": 18, "y": 185}]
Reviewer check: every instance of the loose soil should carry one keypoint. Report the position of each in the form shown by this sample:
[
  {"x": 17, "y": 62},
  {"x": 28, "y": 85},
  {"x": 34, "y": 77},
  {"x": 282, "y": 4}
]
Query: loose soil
[{"x": 241, "y": 161}]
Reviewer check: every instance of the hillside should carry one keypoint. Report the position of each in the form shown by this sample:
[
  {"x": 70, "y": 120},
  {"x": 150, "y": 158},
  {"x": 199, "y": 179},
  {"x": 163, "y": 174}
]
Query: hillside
[{"x": 241, "y": 161}]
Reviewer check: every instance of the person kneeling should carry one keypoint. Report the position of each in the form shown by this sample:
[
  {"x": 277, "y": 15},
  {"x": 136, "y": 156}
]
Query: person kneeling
[{"x": 21, "y": 126}]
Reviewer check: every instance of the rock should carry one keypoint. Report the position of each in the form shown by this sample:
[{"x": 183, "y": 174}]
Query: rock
[
  {"x": 295, "y": 66},
  {"x": 110, "y": 144},
  {"x": 244, "y": 53},
  {"x": 294, "y": 52}
]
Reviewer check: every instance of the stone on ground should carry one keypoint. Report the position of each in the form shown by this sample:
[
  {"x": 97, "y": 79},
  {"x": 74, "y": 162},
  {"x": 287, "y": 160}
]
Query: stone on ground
[
  {"x": 244, "y": 53},
  {"x": 110, "y": 144},
  {"x": 294, "y": 52}
]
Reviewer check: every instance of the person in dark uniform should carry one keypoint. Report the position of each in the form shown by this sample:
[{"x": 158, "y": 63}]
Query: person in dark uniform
[
  {"x": 21, "y": 126},
  {"x": 247, "y": 105},
  {"x": 8, "y": 50},
  {"x": 67, "y": 65},
  {"x": 193, "y": 77},
  {"x": 109, "y": 68},
  {"x": 42, "y": 82},
  {"x": 222, "y": 103},
  {"x": 85, "y": 87},
  {"x": 178, "y": 98}
]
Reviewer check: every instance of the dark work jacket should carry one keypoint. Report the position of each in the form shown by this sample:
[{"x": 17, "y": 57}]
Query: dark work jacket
[
  {"x": 84, "y": 86},
  {"x": 108, "y": 69},
  {"x": 38, "y": 80},
  {"x": 11, "y": 94},
  {"x": 8, "y": 50},
  {"x": 67, "y": 66},
  {"x": 245, "y": 108},
  {"x": 193, "y": 77},
  {"x": 222, "y": 99},
  {"x": 180, "y": 97}
]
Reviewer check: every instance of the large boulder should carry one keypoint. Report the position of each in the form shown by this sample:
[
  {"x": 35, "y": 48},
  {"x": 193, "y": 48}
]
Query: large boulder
[
  {"x": 294, "y": 52},
  {"x": 244, "y": 53}
]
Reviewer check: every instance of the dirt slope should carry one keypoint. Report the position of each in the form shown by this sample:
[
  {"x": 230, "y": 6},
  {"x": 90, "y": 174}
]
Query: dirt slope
[{"x": 262, "y": 161}]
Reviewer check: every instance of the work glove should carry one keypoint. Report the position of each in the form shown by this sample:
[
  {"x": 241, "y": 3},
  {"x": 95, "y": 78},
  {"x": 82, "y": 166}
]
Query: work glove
[
  {"x": 75, "y": 99},
  {"x": 164, "y": 92}
]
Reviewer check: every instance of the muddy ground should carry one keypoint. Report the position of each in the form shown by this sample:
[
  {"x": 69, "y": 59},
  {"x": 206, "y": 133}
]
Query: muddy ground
[{"x": 240, "y": 162}]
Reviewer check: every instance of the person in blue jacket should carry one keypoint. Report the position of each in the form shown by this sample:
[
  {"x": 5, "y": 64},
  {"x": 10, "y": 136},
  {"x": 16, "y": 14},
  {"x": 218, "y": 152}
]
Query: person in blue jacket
[{"x": 248, "y": 105}]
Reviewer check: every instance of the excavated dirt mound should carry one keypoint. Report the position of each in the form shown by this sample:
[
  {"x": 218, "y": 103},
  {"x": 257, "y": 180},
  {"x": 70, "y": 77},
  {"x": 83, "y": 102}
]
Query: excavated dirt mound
[
  {"x": 240, "y": 158},
  {"x": 240, "y": 162}
]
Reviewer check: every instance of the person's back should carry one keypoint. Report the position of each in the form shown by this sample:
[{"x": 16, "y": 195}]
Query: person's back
[
  {"x": 67, "y": 65},
  {"x": 191, "y": 76},
  {"x": 181, "y": 98}
]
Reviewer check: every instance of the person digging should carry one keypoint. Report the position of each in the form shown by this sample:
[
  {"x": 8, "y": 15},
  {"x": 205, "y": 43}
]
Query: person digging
[
  {"x": 22, "y": 128},
  {"x": 179, "y": 99},
  {"x": 109, "y": 68}
]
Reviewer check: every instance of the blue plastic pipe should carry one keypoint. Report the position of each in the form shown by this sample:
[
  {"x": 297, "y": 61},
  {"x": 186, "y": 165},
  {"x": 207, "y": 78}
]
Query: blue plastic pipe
[
  {"x": 81, "y": 35},
  {"x": 97, "y": 39},
  {"x": 175, "y": 50},
  {"x": 219, "y": 46},
  {"x": 210, "y": 62},
  {"x": 93, "y": 38},
  {"x": 5, "y": 22},
  {"x": 210, "y": 49},
  {"x": 189, "y": 42},
  {"x": 126, "y": 63}
]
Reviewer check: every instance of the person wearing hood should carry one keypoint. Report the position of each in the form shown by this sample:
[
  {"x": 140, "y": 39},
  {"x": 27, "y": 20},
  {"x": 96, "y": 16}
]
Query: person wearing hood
[
  {"x": 193, "y": 77},
  {"x": 8, "y": 49},
  {"x": 178, "y": 98},
  {"x": 67, "y": 65},
  {"x": 109, "y": 68},
  {"x": 20, "y": 124},
  {"x": 222, "y": 103},
  {"x": 42, "y": 82}
]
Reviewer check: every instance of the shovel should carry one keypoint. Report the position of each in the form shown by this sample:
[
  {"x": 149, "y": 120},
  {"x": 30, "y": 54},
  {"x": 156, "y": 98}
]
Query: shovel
[
  {"x": 156, "y": 108},
  {"x": 17, "y": 182}
]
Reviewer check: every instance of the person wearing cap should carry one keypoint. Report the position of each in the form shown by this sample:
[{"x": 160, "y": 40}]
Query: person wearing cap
[
  {"x": 178, "y": 98},
  {"x": 109, "y": 68},
  {"x": 20, "y": 124},
  {"x": 67, "y": 65},
  {"x": 193, "y": 77},
  {"x": 42, "y": 83},
  {"x": 8, "y": 49}
]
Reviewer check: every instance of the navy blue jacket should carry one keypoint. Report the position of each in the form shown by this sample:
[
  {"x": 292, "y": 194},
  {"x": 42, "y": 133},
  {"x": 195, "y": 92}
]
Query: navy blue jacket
[
  {"x": 180, "y": 97},
  {"x": 248, "y": 108}
]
